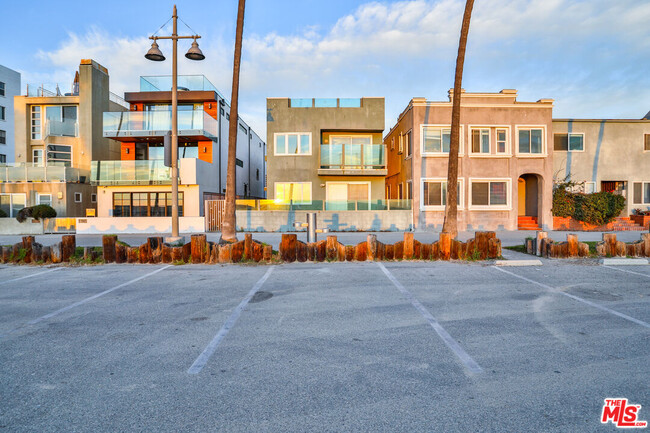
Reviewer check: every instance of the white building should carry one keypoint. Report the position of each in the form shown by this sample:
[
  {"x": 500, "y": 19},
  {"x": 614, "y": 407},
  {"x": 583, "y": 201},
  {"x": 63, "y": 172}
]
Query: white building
[{"x": 9, "y": 87}]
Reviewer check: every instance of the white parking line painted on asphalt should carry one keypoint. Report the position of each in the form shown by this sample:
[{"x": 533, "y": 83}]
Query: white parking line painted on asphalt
[
  {"x": 579, "y": 299},
  {"x": 29, "y": 276},
  {"x": 467, "y": 360},
  {"x": 203, "y": 358},
  {"x": 626, "y": 271}
]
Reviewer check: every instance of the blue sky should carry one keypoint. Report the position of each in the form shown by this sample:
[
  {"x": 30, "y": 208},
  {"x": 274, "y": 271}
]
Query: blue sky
[{"x": 591, "y": 56}]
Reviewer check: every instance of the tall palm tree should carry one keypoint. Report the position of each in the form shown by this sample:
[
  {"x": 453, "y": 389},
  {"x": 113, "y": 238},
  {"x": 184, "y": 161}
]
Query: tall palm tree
[
  {"x": 451, "y": 209},
  {"x": 229, "y": 225}
]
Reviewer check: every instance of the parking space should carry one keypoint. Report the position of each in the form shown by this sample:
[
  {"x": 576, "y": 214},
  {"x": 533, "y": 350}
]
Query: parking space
[{"x": 320, "y": 347}]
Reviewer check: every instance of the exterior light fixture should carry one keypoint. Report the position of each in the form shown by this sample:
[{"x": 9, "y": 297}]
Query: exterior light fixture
[
  {"x": 194, "y": 53},
  {"x": 154, "y": 53}
]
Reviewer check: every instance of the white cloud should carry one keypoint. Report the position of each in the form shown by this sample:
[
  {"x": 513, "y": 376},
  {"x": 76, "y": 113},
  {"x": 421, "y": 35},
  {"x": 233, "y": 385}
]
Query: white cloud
[{"x": 591, "y": 56}]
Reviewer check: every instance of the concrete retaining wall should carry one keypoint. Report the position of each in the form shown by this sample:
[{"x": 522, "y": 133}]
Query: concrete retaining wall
[
  {"x": 9, "y": 226},
  {"x": 335, "y": 221},
  {"x": 110, "y": 225}
]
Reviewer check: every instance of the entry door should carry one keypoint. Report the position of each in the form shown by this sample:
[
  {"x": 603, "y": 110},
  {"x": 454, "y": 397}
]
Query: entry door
[{"x": 337, "y": 196}]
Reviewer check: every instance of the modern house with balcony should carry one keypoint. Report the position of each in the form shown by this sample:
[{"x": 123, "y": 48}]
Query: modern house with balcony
[
  {"x": 9, "y": 87},
  {"x": 505, "y": 174},
  {"x": 57, "y": 135},
  {"x": 326, "y": 153},
  {"x": 137, "y": 183}
]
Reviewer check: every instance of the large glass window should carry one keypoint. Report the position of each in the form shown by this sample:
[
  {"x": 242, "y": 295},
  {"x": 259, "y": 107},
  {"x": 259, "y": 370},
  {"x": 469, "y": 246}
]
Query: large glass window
[
  {"x": 435, "y": 193},
  {"x": 61, "y": 120},
  {"x": 435, "y": 140},
  {"x": 3, "y": 158},
  {"x": 58, "y": 154},
  {"x": 36, "y": 122},
  {"x": 564, "y": 142},
  {"x": 37, "y": 157},
  {"x": 293, "y": 144},
  {"x": 489, "y": 193},
  {"x": 641, "y": 193},
  {"x": 480, "y": 141},
  {"x": 11, "y": 204},
  {"x": 295, "y": 192},
  {"x": 530, "y": 141},
  {"x": 157, "y": 204},
  {"x": 44, "y": 199}
]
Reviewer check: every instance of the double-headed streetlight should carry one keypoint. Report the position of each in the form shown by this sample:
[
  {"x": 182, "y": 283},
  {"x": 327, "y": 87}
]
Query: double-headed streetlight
[{"x": 194, "y": 53}]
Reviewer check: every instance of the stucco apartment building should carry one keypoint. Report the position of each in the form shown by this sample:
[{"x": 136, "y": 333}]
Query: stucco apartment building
[
  {"x": 605, "y": 155},
  {"x": 9, "y": 87},
  {"x": 326, "y": 154},
  {"x": 57, "y": 135},
  {"x": 505, "y": 161},
  {"x": 136, "y": 183}
]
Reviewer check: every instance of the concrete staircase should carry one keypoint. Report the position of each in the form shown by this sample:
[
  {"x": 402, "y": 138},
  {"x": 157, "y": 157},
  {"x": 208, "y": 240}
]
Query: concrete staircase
[
  {"x": 625, "y": 223},
  {"x": 527, "y": 223}
]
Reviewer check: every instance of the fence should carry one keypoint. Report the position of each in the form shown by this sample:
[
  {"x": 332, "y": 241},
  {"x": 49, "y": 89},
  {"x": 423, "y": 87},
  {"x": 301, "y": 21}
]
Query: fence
[{"x": 214, "y": 210}]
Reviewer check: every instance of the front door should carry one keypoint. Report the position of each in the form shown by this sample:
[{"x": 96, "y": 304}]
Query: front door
[{"x": 347, "y": 196}]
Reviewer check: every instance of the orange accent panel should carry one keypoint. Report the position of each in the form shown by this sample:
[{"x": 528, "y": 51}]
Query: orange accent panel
[
  {"x": 207, "y": 155},
  {"x": 124, "y": 156}
]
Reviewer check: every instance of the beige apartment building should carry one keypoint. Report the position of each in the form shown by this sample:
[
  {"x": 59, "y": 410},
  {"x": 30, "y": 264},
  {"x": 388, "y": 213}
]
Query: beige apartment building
[
  {"x": 505, "y": 178},
  {"x": 326, "y": 154},
  {"x": 605, "y": 155},
  {"x": 57, "y": 135}
]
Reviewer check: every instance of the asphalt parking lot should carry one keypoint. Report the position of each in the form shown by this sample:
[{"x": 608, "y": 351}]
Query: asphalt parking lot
[{"x": 401, "y": 346}]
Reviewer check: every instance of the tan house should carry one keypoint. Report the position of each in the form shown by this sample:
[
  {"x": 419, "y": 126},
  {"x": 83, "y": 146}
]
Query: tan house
[
  {"x": 605, "y": 155},
  {"x": 505, "y": 175},
  {"x": 57, "y": 135},
  {"x": 326, "y": 154}
]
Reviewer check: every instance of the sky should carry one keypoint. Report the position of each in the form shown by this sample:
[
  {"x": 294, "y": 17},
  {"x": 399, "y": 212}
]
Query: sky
[{"x": 591, "y": 56}]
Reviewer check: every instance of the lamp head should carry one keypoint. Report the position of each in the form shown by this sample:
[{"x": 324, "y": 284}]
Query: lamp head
[
  {"x": 194, "y": 53},
  {"x": 154, "y": 53}
]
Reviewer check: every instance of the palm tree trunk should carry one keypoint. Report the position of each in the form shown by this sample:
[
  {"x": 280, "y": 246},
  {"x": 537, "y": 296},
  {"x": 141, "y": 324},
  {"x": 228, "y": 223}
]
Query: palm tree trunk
[
  {"x": 451, "y": 210},
  {"x": 229, "y": 226}
]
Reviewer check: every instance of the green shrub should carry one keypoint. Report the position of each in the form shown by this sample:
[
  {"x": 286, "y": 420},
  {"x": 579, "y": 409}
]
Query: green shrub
[
  {"x": 37, "y": 212},
  {"x": 563, "y": 203},
  {"x": 3, "y": 214},
  {"x": 598, "y": 208}
]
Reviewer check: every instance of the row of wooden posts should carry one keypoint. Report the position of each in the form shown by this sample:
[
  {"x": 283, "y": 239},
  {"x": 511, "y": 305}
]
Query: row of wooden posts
[
  {"x": 541, "y": 245},
  {"x": 485, "y": 245}
]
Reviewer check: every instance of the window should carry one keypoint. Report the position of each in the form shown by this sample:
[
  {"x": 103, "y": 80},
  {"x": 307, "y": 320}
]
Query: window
[
  {"x": 128, "y": 204},
  {"x": 36, "y": 122},
  {"x": 44, "y": 199},
  {"x": 3, "y": 137},
  {"x": 257, "y": 174},
  {"x": 58, "y": 154},
  {"x": 409, "y": 190},
  {"x": 239, "y": 162},
  {"x": 3, "y": 158},
  {"x": 12, "y": 203},
  {"x": 407, "y": 142},
  {"x": 646, "y": 146},
  {"x": 388, "y": 197},
  {"x": 435, "y": 140},
  {"x": 531, "y": 141},
  {"x": 489, "y": 193},
  {"x": 480, "y": 141},
  {"x": 2, "y": 88},
  {"x": 37, "y": 157},
  {"x": 572, "y": 142},
  {"x": 641, "y": 193},
  {"x": 293, "y": 192},
  {"x": 93, "y": 198},
  {"x": 392, "y": 143},
  {"x": 243, "y": 128},
  {"x": 3, "y": 113},
  {"x": 293, "y": 144},
  {"x": 502, "y": 141},
  {"x": 400, "y": 191},
  {"x": 590, "y": 187},
  {"x": 77, "y": 197},
  {"x": 434, "y": 193}
]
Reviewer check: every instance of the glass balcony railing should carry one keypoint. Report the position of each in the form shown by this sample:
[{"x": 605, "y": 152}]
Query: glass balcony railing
[
  {"x": 29, "y": 172},
  {"x": 163, "y": 83},
  {"x": 61, "y": 128},
  {"x": 349, "y": 205},
  {"x": 158, "y": 123},
  {"x": 352, "y": 156},
  {"x": 148, "y": 172}
]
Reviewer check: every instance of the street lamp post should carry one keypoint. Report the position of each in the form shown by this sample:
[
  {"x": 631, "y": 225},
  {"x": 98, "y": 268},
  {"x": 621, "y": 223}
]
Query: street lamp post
[{"x": 194, "y": 53}]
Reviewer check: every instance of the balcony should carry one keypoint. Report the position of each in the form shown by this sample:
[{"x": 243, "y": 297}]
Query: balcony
[
  {"x": 192, "y": 171},
  {"x": 61, "y": 128},
  {"x": 28, "y": 172},
  {"x": 135, "y": 124},
  {"x": 352, "y": 160}
]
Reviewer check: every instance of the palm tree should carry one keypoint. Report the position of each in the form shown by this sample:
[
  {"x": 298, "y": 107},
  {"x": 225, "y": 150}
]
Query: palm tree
[
  {"x": 229, "y": 227},
  {"x": 451, "y": 209}
]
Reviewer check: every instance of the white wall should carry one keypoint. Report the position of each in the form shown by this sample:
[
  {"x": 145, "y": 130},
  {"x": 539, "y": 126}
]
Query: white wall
[{"x": 11, "y": 79}]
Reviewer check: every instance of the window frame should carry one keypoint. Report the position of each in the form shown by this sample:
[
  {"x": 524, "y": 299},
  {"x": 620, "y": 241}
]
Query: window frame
[
  {"x": 93, "y": 197},
  {"x": 543, "y": 153},
  {"x": 461, "y": 195},
  {"x": 11, "y": 202},
  {"x": 3, "y": 112},
  {"x": 568, "y": 143},
  {"x": 643, "y": 186},
  {"x": 488, "y": 207},
  {"x": 646, "y": 142},
  {"x": 590, "y": 183},
  {"x": 181, "y": 203},
  {"x": 39, "y": 195},
  {"x": 286, "y": 137},
  {"x": 80, "y": 195},
  {"x": 3, "y": 88},
  {"x": 408, "y": 144},
  {"x": 3, "y": 136},
  {"x": 32, "y": 132},
  {"x": 3, "y": 158},
  {"x": 311, "y": 192},
  {"x": 46, "y": 154},
  {"x": 441, "y": 127}
]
